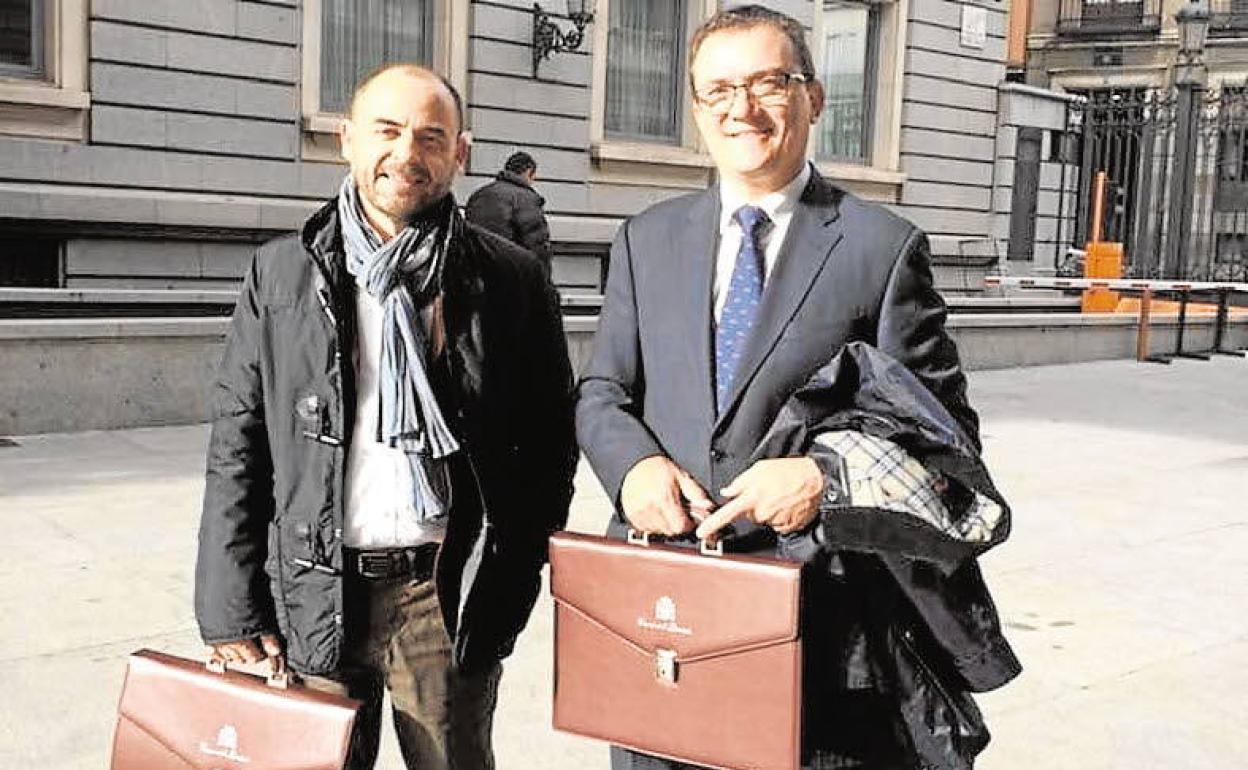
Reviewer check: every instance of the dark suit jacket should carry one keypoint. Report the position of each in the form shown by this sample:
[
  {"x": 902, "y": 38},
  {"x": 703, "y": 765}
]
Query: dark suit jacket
[{"x": 847, "y": 270}]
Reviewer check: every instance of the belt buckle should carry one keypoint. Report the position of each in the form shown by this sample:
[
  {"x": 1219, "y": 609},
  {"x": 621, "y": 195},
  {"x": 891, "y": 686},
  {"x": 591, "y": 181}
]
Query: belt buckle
[{"x": 375, "y": 565}]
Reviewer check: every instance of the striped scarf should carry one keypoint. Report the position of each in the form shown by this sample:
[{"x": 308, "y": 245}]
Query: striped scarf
[{"x": 402, "y": 274}]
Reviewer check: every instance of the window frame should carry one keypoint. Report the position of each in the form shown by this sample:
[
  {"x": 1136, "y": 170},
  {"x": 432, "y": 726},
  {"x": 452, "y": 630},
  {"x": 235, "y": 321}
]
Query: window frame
[
  {"x": 682, "y": 88},
  {"x": 682, "y": 162},
  {"x": 52, "y": 103},
  {"x": 879, "y": 174},
  {"x": 320, "y": 128},
  {"x": 1111, "y": 10},
  {"x": 871, "y": 80}
]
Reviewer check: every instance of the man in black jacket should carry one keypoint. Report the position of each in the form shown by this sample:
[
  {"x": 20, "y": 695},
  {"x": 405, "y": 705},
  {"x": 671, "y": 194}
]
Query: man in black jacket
[
  {"x": 392, "y": 441},
  {"x": 510, "y": 207}
]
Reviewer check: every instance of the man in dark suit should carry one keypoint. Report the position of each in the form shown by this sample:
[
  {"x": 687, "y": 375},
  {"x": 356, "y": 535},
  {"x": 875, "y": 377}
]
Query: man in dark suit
[{"x": 721, "y": 304}]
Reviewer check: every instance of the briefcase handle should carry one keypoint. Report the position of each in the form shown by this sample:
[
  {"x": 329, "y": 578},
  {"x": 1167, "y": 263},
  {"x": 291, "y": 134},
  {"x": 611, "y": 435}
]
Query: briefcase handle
[
  {"x": 705, "y": 547},
  {"x": 278, "y": 678}
]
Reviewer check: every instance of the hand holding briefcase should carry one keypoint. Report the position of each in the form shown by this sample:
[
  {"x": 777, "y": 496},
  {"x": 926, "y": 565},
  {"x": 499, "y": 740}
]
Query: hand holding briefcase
[
  {"x": 178, "y": 714},
  {"x": 690, "y": 657}
]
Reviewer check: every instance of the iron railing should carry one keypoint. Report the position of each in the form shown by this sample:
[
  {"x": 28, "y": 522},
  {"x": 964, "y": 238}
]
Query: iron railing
[
  {"x": 1132, "y": 135},
  {"x": 1109, "y": 17}
]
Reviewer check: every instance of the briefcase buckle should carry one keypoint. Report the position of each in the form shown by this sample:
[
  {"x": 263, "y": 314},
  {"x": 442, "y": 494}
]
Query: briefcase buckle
[
  {"x": 665, "y": 666},
  {"x": 637, "y": 537},
  {"x": 278, "y": 677},
  {"x": 711, "y": 548}
]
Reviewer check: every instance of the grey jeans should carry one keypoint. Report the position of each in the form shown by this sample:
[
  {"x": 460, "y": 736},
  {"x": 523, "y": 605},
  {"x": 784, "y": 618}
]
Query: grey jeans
[{"x": 396, "y": 641}]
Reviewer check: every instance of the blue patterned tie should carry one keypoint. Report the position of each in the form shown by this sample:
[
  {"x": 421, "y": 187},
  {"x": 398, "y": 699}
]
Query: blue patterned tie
[{"x": 736, "y": 320}]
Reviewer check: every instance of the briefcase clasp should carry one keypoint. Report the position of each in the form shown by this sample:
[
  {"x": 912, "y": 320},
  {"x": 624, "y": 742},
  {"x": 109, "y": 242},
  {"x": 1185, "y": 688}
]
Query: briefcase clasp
[
  {"x": 665, "y": 666},
  {"x": 278, "y": 677},
  {"x": 705, "y": 547}
]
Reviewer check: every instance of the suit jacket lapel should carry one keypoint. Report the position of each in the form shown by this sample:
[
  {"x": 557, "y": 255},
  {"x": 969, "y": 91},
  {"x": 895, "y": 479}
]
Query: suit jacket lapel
[
  {"x": 694, "y": 242},
  {"x": 812, "y": 235}
]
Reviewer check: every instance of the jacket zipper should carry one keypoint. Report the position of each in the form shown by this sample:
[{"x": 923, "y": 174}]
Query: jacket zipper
[
  {"x": 322, "y": 294},
  {"x": 484, "y": 535},
  {"x": 325, "y": 297}
]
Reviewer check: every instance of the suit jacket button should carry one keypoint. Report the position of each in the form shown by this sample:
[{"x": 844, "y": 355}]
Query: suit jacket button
[{"x": 717, "y": 454}]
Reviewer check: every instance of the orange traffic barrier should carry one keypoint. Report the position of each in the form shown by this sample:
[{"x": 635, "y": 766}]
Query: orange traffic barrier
[{"x": 1103, "y": 260}]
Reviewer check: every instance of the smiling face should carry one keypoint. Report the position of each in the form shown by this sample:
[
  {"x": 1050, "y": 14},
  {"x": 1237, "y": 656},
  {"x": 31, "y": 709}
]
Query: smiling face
[
  {"x": 404, "y": 145},
  {"x": 757, "y": 148}
]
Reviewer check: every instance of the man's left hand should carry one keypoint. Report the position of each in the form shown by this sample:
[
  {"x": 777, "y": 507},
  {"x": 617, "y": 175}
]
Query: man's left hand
[{"x": 782, "y": 493}]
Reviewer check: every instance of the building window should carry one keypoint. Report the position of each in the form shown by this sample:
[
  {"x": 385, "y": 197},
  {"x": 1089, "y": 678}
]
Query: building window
[
  {"x": 1103, "y": 10},
  {"x": 21, "y": 38},
  {"x": 848, "y": 71},
  {"x": 43, "y": 69},
  {"x": 1232, "y": 159},
  {"x": 343, "y": 40},
  {"x": 645, "y": 70},
  {"x": 1110, "y": 17},
  {"x": 359, "y": 35}
]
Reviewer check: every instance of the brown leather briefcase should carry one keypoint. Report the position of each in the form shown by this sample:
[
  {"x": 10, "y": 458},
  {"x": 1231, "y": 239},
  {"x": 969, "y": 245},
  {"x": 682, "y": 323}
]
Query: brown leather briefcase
[
  {"x": 178, "y": 714},
  {"x": 682, "y": 655}
]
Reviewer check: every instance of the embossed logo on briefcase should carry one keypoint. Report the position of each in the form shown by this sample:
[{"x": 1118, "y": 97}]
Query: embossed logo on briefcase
[
  {"x": 664, "y": 618},
  {"x": 226, "y": 746}
]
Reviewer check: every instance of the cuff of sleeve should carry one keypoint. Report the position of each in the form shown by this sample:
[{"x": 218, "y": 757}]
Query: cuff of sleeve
[
  {"x": 832, "y": 466},
  {"x": 835, "y": 493}
]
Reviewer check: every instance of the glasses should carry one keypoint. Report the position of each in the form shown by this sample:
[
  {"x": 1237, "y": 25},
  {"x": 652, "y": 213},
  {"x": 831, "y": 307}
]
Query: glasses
[{"x": 766, "y": 88}]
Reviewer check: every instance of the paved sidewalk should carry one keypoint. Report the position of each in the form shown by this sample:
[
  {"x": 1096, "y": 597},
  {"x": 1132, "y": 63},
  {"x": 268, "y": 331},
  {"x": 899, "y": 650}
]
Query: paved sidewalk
[{"x": 1123, "y": 587}]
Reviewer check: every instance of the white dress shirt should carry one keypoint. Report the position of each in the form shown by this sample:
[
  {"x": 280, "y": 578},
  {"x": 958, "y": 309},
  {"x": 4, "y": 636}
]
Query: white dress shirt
[
  {"x": 779, "y": 206},
  {"x": 379, "y": 511}
]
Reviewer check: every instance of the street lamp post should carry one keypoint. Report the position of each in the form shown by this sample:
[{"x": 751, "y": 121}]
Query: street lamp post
[{"x": 1189, "y": 82}]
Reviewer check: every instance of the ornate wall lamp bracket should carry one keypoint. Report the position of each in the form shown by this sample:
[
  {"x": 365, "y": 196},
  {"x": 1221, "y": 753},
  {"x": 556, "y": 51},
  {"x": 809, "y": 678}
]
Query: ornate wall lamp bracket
[{"x": 548, "y": 38}]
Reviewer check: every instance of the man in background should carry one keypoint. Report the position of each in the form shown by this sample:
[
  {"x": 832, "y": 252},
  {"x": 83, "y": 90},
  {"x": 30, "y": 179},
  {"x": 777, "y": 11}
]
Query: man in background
[{"x": 510, "y": 207}]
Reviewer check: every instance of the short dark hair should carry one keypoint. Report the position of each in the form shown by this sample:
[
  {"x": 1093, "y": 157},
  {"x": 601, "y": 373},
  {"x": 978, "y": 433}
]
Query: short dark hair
[
  {"x": 520, "y": 163},
  {"x": 410, "y": 68},
  {"x": 747, "y": 17}
]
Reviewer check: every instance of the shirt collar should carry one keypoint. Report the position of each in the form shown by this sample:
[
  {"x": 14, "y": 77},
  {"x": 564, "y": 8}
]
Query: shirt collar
[{"x": 778, "y": 203}]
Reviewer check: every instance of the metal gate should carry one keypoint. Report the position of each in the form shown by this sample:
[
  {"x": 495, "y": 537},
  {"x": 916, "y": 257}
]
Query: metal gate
[{"x": 1178, "y": 179}]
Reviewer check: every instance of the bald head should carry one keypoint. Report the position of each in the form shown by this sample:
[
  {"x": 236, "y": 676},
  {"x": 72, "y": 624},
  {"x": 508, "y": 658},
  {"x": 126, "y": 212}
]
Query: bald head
[{"x": 406, "y": 69}]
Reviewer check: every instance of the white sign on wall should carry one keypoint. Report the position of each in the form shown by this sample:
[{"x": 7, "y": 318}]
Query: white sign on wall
[{"x": 974, "y": 26}]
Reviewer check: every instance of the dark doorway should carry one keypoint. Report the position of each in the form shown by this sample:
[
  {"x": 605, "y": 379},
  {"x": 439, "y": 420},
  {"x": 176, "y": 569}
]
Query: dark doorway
[
  {"x": 30, "y": 261},
  {"x": 1026, "y": 191}
]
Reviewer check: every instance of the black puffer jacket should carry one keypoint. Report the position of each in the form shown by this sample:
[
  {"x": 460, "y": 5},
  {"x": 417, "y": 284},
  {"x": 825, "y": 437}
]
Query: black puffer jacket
[
  {"x": 510, "y": 207},
  {"x": 915, "y": 602},
  {"x": 270, "y": 550}
]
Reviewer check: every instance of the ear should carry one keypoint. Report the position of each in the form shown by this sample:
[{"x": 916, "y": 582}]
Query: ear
[
  {"x": 344, "y": 139},
  {"x": 463, "y": 145},
  {"x": 814, "y": 90}
]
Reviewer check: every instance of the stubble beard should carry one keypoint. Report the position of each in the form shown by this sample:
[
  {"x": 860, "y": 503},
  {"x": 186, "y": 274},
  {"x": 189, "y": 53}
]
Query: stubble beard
[{"x": 400, "y": 209}]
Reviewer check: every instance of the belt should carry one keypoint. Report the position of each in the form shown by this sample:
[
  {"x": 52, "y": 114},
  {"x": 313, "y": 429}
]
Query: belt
[{"x": 415, "y": 562}]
